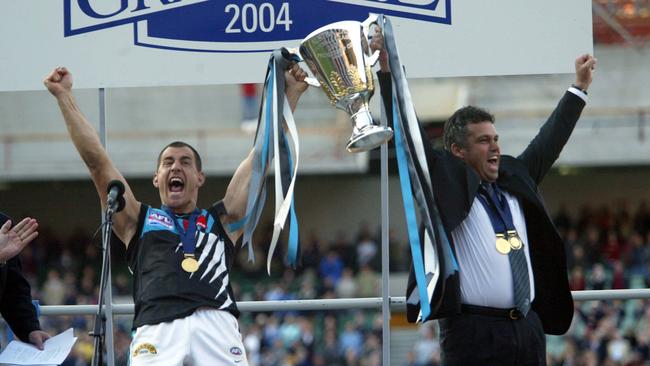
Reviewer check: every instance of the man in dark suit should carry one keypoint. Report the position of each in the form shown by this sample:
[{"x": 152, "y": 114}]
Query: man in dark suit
[
  {"x": 15, "y": 294},
  {"x": 512, "y": 281}
]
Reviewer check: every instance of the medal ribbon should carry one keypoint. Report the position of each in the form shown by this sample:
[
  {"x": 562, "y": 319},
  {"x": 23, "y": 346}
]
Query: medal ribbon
[
  {"x": 501, "y": 218},
  {"x": 188, "y": 237},
  {"x": 497, "y": 208}
]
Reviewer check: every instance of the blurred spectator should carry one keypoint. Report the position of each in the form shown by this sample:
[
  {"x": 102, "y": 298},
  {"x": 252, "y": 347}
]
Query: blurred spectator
[
  {"x": 642, "y": 218},
  {"x": 271, "y": 331},
  {"x": 619, "y": 277},
  {"x": 331, "y": 270},
  {"x": 351, "y": 341},
  {"x": 346, "y": 251},
  {"x": 367, "y": 249},
  {"x": 399, "y": 253},
  {"x": 253, "y": 344},
  {"x": 53, "y": 288},
  {"x": 597, "y": 280},
  {"x": 637, "y": 254},
  {"x": 371, "y": 351},
  {"x": 368, "y": 282},
  {"x": 592, "y": 245},
  {"x": 577, "y": 279},
  {"x": 329, "y": 350},
  {"x": 613, "y": 247},
  {"x": 310, "y": 252},
  {"x": 427, "y": 347},
  {"x": 289, "y": 331},
  {"x": 347, "y": 286}
]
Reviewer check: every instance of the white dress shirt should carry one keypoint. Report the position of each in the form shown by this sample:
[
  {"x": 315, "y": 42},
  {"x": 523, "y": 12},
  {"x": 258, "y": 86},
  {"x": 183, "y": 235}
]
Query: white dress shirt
[{"x": 485, "y": 275}]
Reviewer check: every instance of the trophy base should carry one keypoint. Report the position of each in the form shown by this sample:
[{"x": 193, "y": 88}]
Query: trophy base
[{"x": 369, "y": 139}]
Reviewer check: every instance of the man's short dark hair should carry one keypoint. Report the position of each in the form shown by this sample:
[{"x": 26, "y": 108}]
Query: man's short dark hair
[
  {"x": 455, "y": 131},
  {"x": 197, "y": 157}
]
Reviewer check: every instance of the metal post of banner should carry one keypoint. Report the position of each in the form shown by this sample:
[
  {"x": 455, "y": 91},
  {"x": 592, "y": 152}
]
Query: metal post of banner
[
  {"x": 108, "y": 308},
  {"x": 385, "y": 263}
]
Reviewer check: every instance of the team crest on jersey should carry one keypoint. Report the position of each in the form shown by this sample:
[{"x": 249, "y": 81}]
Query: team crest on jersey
[
  {"x": 156, "y": 218},
  {"x": 144, "y": 349},
  {"x": 202, "y": 223}
]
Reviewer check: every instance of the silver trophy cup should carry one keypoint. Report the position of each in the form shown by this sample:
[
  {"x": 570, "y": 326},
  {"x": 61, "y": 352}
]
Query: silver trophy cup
[{"x": 339, "y": 57}]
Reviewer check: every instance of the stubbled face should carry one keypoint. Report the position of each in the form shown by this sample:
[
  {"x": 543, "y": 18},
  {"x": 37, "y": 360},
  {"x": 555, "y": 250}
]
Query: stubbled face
[
  {"x": 482, "y": 151},
  {"x": 178, "y": 180}
]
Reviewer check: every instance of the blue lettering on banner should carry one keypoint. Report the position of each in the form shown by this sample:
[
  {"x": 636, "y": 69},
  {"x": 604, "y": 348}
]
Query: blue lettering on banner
[{"x": 232, "y": 25}]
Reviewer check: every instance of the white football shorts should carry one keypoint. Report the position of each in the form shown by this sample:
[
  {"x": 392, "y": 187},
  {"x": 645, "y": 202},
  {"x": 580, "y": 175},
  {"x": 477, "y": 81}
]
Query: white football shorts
[{"x": 208, "y": 337}]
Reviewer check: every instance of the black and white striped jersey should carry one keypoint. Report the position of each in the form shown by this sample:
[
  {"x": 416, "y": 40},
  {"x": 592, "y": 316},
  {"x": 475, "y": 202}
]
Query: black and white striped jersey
[{"x": 162, "y": 290}]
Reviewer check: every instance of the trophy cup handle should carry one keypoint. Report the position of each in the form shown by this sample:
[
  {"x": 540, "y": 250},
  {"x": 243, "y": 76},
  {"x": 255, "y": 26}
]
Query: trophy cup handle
[
  {"x": 373, "y": 19},
  {"x": 310, "y": 80},
  {"x": 372, "y": 60}
]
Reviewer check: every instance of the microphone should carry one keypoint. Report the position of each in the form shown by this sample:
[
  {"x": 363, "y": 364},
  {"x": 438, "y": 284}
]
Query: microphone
[{"x": 115, "y": 198}]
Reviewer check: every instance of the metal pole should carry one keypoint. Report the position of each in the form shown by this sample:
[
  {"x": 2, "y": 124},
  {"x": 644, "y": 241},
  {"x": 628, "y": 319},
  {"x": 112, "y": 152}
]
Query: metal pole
[
  {"x": 397, "y": 303},
  {"x": 108, "y": 308},
  {"x": 385, "y": 263}
]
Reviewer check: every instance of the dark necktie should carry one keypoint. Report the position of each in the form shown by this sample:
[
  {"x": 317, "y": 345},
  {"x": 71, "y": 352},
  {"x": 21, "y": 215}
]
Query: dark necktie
[{"x": 517, "y": 258}]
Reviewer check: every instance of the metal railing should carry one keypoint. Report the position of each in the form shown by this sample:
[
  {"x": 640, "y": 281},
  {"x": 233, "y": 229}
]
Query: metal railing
[{"x": 397, "y": 304}]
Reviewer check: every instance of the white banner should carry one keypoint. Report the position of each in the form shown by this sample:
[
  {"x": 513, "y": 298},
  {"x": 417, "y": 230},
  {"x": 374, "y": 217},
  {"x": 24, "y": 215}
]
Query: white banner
[{"x": 122, "y": 43}]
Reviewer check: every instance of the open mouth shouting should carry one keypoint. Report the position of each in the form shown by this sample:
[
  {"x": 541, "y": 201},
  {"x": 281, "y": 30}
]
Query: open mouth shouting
[
  {"x": 176, "y": 185},
  {"x": 493, "y": 162},
  {"x": 492, "y": 169}
]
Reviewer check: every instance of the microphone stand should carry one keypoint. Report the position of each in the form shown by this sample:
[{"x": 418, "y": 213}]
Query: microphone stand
[{"x": 99, "y": 328}]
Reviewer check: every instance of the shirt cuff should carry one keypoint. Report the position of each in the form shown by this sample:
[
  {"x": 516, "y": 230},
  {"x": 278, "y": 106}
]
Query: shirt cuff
[{"x": 578, "y": 92}]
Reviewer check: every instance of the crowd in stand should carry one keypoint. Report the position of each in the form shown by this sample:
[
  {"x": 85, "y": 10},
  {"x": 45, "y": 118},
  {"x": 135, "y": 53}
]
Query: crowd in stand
[{"x": 607, "y": 248}]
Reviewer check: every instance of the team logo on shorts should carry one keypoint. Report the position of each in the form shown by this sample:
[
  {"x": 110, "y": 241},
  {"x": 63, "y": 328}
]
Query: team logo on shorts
[
  {"x": 156, "y": 218},
  {"x": 236, "y": 351},
  {"x": 144, "y": 349}
]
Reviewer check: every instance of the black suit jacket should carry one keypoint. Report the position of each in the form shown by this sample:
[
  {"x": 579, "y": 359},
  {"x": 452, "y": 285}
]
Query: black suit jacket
[
  {"x": 455, "y": 185},
  {"x": 15, "y": 297}
]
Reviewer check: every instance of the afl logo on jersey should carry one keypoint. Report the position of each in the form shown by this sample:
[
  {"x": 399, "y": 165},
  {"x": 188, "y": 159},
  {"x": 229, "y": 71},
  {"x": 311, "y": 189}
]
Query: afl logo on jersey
[
  {"x": 156, "y": 218},
  {"x": 236, "y": 351}
]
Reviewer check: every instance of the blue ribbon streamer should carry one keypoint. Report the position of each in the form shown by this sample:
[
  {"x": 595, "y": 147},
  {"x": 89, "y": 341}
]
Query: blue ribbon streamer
[
  {"x": 253, "y": 206},
  {"x": 292, "y": 251},
  {"x": 257, "y": 193},
  {"x": 409, "y": 211}
]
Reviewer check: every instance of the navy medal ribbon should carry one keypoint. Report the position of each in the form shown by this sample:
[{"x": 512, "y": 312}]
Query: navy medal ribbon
[
  {"x": 188, "y": 239},
  {"x": 500, "y": 215}
]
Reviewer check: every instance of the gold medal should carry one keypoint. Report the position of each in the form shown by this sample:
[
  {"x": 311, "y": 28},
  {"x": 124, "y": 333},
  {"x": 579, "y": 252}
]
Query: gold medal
[
  {"x": 189, "y": 264},
  {"x": 502, "y": 244},
  {"x": 515, "y": 241}
]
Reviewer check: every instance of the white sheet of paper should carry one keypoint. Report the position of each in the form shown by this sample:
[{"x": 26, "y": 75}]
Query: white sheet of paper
[{"x": 56, "y": 349}]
